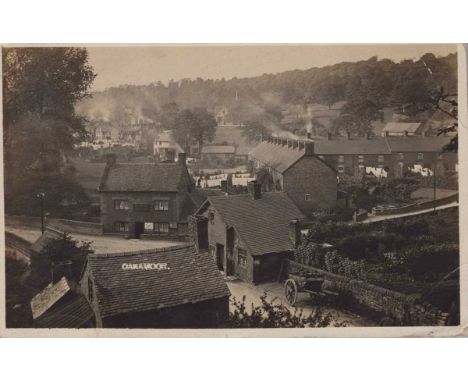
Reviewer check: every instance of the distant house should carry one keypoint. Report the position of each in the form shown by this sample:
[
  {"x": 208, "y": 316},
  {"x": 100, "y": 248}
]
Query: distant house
[
  {"x": 58, "y": 306},
  {"x": 154, "y": 199},
  {"x": 351, "y": 155},
  {"x": 165, "y": 147},
  {"x": 292, "y": 167},
  {"x": 402, "y": 128},
  {"x": 394, "y": 154},
  {"x": 248, "y": 234},
  {"x": 173, "y": 287},
  {"x": 218, "y": 153}
]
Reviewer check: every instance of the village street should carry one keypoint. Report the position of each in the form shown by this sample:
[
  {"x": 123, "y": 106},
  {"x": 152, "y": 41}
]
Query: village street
[{"x": 276, "y": 290}]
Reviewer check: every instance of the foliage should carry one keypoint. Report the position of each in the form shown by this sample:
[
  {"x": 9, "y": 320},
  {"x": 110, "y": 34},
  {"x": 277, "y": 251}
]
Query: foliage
[
  {"x": 274, "y": 315},
  {"x": 41, "y": 86},
  {"x": 17, "y": 294},
  {"x": 356, "y": 117},
  {"x": 59, "y": 257},
  {"x": 195, "y": 125},
  {"x": 253, "y": 130}
]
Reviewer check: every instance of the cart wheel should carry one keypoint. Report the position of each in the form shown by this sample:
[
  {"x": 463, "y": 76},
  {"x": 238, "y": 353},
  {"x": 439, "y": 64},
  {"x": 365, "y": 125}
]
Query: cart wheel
[{"x": 290, "y": 291}]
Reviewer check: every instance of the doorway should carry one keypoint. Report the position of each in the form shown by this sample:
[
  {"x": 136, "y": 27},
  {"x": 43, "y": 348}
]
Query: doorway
[
  {"x": 220, "y": 256},
  {"x": 139, "y": 229}
]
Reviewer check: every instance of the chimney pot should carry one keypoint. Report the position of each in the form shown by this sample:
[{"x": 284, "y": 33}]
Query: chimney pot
[{"x": 255, "y": 189}]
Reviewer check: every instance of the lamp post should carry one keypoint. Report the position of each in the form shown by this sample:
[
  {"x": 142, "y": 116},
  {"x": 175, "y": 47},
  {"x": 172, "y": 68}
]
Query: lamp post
[{"x": 41, "y": 196}]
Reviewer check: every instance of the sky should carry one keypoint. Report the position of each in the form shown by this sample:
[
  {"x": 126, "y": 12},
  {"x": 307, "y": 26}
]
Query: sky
[{"x": 140, "y": 65}]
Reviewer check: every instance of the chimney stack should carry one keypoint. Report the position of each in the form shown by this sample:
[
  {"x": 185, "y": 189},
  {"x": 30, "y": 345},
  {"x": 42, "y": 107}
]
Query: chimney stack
[
  {"x": 348, "y": 135},
  {"x": 295, "y": 233},
  {"x": 367, "y": 135},
  {"x": 387, "y": 134},
  {"x": 111, "y": 159},
  {"x": 224, "y": 186},
  {"x": 309, "y": 136},
  {"x": 406, "y": 133},
  {"x": 183, "y": 158},
  {"x": 255, "y": 189},
  {"x": 309, "y": 148},
  {"x": 329, "y": 136}
]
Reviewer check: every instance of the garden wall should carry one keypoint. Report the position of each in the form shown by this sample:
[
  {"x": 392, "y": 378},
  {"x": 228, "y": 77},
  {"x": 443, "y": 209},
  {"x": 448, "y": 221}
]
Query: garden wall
[
  {"x": 72, "y": 226},
  {"x": 380, "y": 301}
]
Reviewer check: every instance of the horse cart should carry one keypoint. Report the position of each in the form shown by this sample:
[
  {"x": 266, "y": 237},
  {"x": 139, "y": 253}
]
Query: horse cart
[{"x": 304, "y": 282}]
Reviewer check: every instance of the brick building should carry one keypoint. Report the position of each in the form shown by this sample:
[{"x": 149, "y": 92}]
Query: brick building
[
  {"x": 152, "y": 199},
  {"x": 395, "y": 154},
  {"x": 174, "y": 287},
  {"x": 294, "y": 168},
  {"x": 218, "y": 153},
  {"x": 248, "y": 234}
]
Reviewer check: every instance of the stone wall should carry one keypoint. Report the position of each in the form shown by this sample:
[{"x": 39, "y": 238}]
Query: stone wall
[{"x": 381, "y": 302}]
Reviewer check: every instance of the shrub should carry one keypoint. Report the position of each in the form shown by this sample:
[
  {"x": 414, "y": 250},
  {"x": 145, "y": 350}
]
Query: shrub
[{"x": 274, "y": 315}]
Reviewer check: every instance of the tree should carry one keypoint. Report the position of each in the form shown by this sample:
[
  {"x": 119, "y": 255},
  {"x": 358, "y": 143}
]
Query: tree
[
  {"x": 254, "y": 130},
  {"x": 194, "y": 126},
  {"x": 40, "y": 88},
  {"x": 59, "y": 257},
  {"x": 356, "y": 117}
]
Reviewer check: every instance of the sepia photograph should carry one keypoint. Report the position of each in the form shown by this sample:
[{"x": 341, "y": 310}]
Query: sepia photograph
[{"x": 226, "y": 187}]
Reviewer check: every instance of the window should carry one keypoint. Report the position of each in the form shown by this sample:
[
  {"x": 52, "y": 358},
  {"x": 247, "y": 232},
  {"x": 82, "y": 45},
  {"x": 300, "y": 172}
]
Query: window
[
  {"x": 173, "y": 225},
  {"x": 340, "y": 168},
  {"x": 161, "y": 227},
  {"x": 121, "y": 204},
  {"x": 149, "y": 227},
  {"x": 141, "y": 207},
  {"x": 360, "y": 158},
  {"x": 241, "y": 257},
  {"x": 380, "y": 158},
  {"x": 307, "y": 197},
  {"x": 420, "y": 156},
  {"x": 121, "y": 226},
  {"x": 161, "y": 205},
  {"x": 340, "y": 158},
  {"x": 321, "y": 157},
  {"x": 401, "y": 156}
]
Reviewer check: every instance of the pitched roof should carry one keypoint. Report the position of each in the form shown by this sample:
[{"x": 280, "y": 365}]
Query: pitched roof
[
  {"x": 73, "y": 313},
  {"x": 48, "y": 235},
  {"x": 189, "y": 278},
  {"x": 44, "y": 300},
  {"x": 145, "y": 177},
  {"x": 417, "y": 143},
  {"x": 401, "y": 127},
  {"x": 371, "y": 146},
  {"x": 263, "y": 224},
  {"x": 218, "y": 149},
  {"x": 277, "y": 156}
]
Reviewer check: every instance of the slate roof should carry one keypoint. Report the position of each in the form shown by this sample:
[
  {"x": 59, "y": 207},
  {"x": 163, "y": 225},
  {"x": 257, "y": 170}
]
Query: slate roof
[
  {"x": 353, "y": 146},
  {"x": 42, "y": 301},
  {"x": 145, "y": 177},
  {"x": 401, "y": 127},
  {"x": 48, "y": 235},
  {"x": 276, "y": 156},
  {"x": 417, "y": 143},
  {"x": 74, "y": 313},
  {"x": 218, "y": 149},
  {"x": 190, "y": 278},
  {"x": 262, "y": 224}
]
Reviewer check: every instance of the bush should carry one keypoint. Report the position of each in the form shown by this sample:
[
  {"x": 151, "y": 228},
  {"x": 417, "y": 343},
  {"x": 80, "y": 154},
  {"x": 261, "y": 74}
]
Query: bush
[{"x": 274, "y": 315}]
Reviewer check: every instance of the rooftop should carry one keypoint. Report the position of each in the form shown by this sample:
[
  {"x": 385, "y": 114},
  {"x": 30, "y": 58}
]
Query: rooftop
[
  {"x": 218, "y": 149},
  {"x": 277, "y": 156},
  {"x": 145, "y": 177},
  {"x": 179, "y": 275},
  {"x": 44, "y": 300},
  {"x": 351, "y": 146},
  {"x": 276, "y": 210},
  {"x": 401, "y": 127}
]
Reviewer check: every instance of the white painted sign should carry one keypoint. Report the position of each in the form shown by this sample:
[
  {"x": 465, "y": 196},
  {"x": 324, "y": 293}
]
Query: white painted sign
[{"x": 145, "y": 266}]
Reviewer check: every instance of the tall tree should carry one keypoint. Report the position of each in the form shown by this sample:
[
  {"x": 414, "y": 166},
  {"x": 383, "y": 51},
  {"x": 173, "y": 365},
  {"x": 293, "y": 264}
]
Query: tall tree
[
  {"x": 40, "y": 88},
  {"x": 196, "y": 125},
  {"x": 253, "y": 130}
]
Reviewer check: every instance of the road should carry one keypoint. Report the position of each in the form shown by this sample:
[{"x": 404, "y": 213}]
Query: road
[
  {"x": 373, "y": 219},
  {"x": 100, "y": 244},
  {"x": 275, "y": 290}
]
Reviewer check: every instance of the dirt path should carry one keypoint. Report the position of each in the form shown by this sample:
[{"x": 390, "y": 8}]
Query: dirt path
[{"x": 275, "y": 290}]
